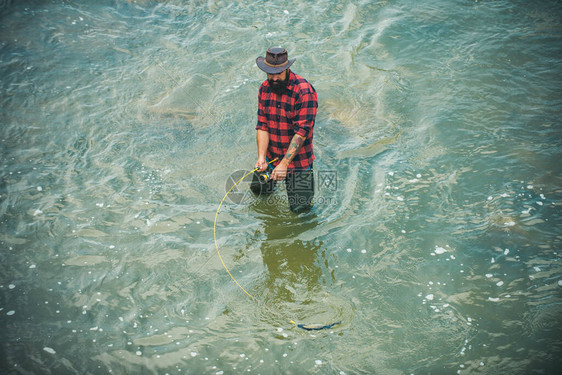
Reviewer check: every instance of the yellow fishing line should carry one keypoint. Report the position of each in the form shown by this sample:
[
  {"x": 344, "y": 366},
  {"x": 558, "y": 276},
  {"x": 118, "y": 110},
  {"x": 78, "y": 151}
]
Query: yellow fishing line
[
  {"x": 308, "y": 327},
  {"x": 215, "y": 230}
]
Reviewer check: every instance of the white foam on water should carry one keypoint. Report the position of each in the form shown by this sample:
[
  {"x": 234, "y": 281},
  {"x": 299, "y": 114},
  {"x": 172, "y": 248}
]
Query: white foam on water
[
  {"x": 11, "y": 286},
  {"x": 488, "y": 275},
  {"x": 440, "y": 250},
  {"x": 10, "y": 313},
  {"x": 493, "y": 299},
  {"x": 49, "y": 350},
  {"x": 499, "y": 283}
]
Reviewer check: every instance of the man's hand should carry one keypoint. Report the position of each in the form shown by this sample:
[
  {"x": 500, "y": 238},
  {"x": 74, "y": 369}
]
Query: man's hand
[
  {"x": 261, "y": 165},
  {"x": 280, "y": 172}
]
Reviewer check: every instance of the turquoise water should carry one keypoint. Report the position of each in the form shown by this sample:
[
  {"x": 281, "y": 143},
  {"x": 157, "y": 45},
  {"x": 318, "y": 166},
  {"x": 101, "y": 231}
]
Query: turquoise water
[{"x": 436, "y": 234}]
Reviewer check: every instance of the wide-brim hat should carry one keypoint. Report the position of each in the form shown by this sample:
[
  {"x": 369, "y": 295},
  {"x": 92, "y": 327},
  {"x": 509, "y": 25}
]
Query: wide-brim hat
[{"x": 275, "y": 61}]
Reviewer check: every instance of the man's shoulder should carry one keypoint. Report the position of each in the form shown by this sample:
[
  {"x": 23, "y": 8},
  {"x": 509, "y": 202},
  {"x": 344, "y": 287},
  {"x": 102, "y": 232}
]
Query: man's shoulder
[{"x": 303, "y": 86}]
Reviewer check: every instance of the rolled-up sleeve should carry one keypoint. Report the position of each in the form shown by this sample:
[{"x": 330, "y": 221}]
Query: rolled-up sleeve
[{"x": 305, "y": 116}]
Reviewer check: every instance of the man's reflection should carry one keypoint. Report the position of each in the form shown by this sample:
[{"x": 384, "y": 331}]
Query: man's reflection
[{"x": 293, "y": 272}]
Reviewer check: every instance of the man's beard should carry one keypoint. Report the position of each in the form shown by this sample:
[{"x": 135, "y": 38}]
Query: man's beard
[{"x": 279, "y": 87}]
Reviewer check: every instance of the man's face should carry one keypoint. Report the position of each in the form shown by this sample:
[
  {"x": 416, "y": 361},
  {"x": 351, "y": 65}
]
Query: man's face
[{"x": 278, "y": 82}]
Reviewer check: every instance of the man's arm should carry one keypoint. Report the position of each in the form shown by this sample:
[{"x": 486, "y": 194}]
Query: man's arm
[
  {"x": 262, "y": 138},
  {"x": 294, "y": 147},
  {"x": 280, "y": 172}
]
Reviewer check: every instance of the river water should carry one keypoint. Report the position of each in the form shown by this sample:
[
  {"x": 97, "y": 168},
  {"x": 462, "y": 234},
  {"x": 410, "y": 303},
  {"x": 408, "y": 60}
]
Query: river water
[{"x": 436, "y": 234}]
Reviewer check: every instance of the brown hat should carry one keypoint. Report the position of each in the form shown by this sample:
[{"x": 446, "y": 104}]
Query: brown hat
[{"x": 276, "y": 60}]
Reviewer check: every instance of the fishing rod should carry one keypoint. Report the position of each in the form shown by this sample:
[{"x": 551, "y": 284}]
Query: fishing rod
[{"x": 307, "y": 327}]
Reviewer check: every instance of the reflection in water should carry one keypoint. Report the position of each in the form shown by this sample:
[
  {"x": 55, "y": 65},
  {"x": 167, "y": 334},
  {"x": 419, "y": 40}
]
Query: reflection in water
[
  {"x": 293, "y": 272},
  {"x": 293, "y": 287}
]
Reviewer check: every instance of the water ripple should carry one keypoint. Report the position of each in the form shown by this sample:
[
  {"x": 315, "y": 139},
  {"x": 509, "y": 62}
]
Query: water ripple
[{"x": 435, "y": 233}]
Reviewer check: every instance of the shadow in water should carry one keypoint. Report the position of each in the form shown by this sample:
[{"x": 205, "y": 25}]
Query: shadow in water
[
  {"x": 293, "y": 272},
  {"x": 292, "y": 288}
]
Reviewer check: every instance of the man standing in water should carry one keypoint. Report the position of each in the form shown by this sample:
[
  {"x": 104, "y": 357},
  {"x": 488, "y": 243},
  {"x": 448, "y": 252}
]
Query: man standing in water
[{"x": 287, "y": 106}]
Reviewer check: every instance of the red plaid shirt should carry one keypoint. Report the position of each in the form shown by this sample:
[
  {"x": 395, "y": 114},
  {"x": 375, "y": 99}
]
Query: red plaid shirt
[{"x": 283, "y": 116}]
